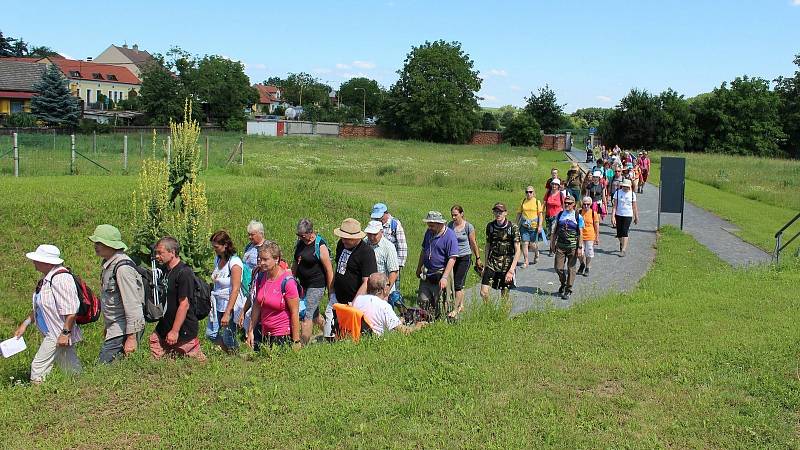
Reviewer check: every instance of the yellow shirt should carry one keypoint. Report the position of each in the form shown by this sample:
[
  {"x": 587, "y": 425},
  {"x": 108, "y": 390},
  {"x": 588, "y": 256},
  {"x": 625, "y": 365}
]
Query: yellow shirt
[{"x": 530, "y": 209}]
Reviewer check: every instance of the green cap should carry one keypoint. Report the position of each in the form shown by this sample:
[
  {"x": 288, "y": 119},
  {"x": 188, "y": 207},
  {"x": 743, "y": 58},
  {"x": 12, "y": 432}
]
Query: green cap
[{"x": 109, "y": 236}]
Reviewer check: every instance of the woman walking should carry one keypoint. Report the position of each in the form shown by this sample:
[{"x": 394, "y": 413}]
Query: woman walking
[
  {"x": 467, "y": 246},
  {"x": 226, "y": 295},
  {"x": 574, "y": 182},
  {"x": 277, "y": 302},
  {"x": 590, "y": 235},
  {"x": 314, "y": 271},
  {"x": 553, "y": 204},
  {"x": 597, "y": 193},
  {"x": 530, "y": 220},
  {"x": 624, "y": 211}
]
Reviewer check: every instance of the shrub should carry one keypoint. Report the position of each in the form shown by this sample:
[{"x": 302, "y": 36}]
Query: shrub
[
  {"x": 523, "y": 131},
  {"x": 21, "y": 120}
]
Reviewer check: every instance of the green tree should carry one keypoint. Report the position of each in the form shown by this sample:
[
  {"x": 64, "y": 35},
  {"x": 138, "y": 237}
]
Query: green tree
[
  {"x": 742, "y": 118},
  {"x": 634, "y": 122},
  {"x": 788, "y": 90},
  {"x": 543, "y": 106},
  {"x": 20, "y": 48},
  {"x": 6, "y": 45},
  {"x": 676, "y": 129},
  {"x": 360, "y": 91},
  {"x": 505, "y": 114},
  {"x": 42, "y": 52},
  {"x": 592, "y": 115},
  {"x": 489, "y": 122},
  {"x": 162, "y": 95},
  {"x": 435, "y": 98},
  {"x": 53, "y": 102},
  {"x": 523, "y": 131},
  {"x": 223, "y": 86},
  {"x": 303, "y": 89}
]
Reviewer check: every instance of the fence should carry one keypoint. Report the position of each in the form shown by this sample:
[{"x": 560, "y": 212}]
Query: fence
[{"x": 36, "y": 154}]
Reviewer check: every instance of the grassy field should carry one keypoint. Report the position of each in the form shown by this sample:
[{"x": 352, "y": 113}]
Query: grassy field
[
  {"x": 758, "y": 195},
  {"x": 711, "y": 362}
]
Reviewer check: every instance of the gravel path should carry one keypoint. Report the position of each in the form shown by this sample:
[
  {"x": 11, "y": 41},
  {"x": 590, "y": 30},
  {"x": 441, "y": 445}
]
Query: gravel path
[{"x": 537, "y": 285}]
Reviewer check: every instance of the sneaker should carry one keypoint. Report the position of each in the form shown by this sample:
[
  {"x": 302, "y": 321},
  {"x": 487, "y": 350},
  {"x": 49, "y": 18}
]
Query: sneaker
[
  {"x": 581, "y": 269},
  {"x": 562, "y": 289},
  {"x": 586, "y": 272},
  {"x": 622, "y": 253}
]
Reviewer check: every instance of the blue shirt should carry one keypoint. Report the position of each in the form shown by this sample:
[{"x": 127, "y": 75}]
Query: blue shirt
[{"x": 438, "y": 249}]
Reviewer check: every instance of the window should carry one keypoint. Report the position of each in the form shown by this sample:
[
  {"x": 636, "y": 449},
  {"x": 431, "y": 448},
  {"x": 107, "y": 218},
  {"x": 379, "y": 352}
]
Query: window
[
  {"x": 17, "y": 106},
  {"x": 111, "y": 77},
  {"x": 97, "y": 76},
  {"x": 88, "y": 96},
  {"x": 74, "y": 74}
]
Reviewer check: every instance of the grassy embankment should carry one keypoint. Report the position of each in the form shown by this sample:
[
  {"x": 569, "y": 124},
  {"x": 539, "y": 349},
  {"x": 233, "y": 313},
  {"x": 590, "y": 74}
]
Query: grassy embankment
[{"x": 710, "y": 362}]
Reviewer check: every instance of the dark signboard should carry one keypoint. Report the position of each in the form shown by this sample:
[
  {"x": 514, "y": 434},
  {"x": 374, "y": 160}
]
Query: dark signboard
[{"x": 673, "y": 184}]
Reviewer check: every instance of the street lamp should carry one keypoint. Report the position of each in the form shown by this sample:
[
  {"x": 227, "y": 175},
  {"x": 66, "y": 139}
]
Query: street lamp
[{"x": 364, "y": 117}]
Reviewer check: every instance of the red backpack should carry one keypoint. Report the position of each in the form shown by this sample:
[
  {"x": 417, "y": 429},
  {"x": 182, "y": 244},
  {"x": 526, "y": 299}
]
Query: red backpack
[{"x": 88, "y": 303}]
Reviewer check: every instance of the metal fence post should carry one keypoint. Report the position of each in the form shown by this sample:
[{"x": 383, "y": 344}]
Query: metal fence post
[
  {"x": 54, "y": 139},
  {"x": 94, "y": 141},
  {"x": 72, "y": 157},
  {"x": 16, "y": 156},
  {"x": 169, "y": 149},
  {"x": 141, "y": 143},
  {"x": 125, "y": 153},
  {"x": 241, "y": 150},
  {"x": 206, "y": 152}
]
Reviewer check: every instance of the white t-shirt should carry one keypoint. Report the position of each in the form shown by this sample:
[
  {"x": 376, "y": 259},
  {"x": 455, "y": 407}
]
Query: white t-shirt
[
  {"x": 377, "y": 312},
  {"x": 222, "y": 286},
  {"x": 624, "y": 203}
]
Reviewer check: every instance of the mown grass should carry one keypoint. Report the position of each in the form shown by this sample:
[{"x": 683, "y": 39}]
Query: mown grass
[
  {"x": 758, "y": 195},
  {"x": 710, "y": 362}
]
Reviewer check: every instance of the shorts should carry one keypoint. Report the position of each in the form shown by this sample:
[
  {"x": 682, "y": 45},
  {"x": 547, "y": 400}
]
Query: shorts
[
  {"x": 623, "y": 225},
  {"x": 460, "y": 270},
  {"x": 528, "y": 234},
  {"x": 497, "y": 280},
  {"x": 191, "y": 348},
  {"x": 644, "y": 175},
  {"x": 588, "y": 249},
  {"x": 428, "y": 298},
  {"x": 313, "y": 296}
]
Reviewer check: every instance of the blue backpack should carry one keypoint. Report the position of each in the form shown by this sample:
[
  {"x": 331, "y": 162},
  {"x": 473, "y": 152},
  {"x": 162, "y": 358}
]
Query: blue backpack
[{"x": 300, "y": 294}]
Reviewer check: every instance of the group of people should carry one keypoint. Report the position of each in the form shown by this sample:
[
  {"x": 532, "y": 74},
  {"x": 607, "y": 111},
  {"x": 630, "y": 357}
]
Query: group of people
[{"x": 267, "y": 295}]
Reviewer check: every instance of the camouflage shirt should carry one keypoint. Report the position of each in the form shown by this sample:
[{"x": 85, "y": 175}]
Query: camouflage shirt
[{"x": 501, "y": 241}]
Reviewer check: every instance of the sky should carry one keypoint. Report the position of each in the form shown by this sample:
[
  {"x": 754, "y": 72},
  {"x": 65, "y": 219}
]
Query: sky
[{"x": 591, "y": 53}]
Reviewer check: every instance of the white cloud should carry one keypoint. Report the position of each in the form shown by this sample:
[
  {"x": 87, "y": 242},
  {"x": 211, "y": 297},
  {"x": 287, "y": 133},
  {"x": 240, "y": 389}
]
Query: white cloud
[
  {"x": 348, "y": 75},
  {"x": 796, "y": 2},
  {"x": 490, "y": 98},
  {"x": 603, "y": 98},
  {"x": 498, "y": 72},
  {"x": 321, "y": 70},
  {"x": 342, "y": 66},
  {"x": 364, "y": 64},
  {"x": 514, "y": 87}
]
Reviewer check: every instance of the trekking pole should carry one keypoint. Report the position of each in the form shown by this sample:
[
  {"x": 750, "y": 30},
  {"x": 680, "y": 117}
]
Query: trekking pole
[{"x": 154, "y": 269}]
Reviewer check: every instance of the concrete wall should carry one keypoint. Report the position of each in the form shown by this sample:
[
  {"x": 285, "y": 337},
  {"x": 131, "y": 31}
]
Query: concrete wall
[
  {"x": 301, "y": 128},
  {"x": 262, "y": 128}
]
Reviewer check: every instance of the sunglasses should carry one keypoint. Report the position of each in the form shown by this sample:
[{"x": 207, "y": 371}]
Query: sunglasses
[
  {"x": 569, "y": 203},
  {"x": 529, "y": 192}
]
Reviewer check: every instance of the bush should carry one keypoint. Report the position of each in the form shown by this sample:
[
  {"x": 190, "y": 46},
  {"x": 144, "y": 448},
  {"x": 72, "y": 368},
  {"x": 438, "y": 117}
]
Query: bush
[
  {"x": 234, "y": 124},
  {"x": 523, "y": 131},
  {"x": 88, "y": 126},
  {"x": 21, "y": 120},
  {"x": 489, "y": 122}
]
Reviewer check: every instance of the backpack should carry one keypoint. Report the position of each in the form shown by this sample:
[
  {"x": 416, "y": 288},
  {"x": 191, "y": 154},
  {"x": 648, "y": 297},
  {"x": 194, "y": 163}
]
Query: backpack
[
  {"x": 247, "y": 277},
  {"x": 153, "y": 310},
  {"x": 300, "y": 294},
  {"x": 201, "y": 297},
  {"x": 318, "y": 242},
  {"x": 88, "y": 303}
]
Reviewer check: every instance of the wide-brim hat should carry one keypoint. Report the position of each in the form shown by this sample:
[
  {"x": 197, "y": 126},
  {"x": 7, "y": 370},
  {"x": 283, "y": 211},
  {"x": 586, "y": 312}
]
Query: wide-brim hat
[
  {"x": 109, "y": 236},
  {"x": 46, "y": 253},
  {"x": 350, "y": 229},
  {"x": 626, "y": 183},
  {"x": 434, "y": 217},
  {"x": 573, "y": 166}
]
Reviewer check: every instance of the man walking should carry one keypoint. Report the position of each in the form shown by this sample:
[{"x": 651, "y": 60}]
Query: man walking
[
  {"x": 567, "y": 244},
  {"x": 121, "y": 296},
  {"x": 176, "y": 331},
  {"x": 438, "y": 256},
  {"x": 385, "y": 253},
  {"x": 502, "y": 253}
]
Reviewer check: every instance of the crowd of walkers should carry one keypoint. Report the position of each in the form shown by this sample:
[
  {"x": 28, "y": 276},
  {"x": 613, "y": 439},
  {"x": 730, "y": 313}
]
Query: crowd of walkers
[{"x": 272, "y": 296}]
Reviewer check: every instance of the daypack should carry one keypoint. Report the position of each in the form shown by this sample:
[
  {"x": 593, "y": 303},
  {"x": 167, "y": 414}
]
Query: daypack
[
  {"x": 201, "y": 297},
  {"x": 88, "y": 303},
  {"x": 247, "y": 278},
  {"x": 153, "y": 311},
  {"x": 300, "y": 294},
  {"x": 318, "y": 242}
]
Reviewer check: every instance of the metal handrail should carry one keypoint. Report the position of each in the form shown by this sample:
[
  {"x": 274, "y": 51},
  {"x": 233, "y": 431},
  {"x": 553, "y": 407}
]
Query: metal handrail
[{"x": 779, "y": 235}]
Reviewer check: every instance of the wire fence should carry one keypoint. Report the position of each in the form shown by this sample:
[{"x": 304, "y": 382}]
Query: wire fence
[{"x": 39, "y": 154}]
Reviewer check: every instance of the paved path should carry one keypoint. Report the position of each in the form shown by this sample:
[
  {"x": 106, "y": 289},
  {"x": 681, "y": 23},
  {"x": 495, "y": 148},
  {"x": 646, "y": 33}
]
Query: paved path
[{"x": 537, "y": 284}]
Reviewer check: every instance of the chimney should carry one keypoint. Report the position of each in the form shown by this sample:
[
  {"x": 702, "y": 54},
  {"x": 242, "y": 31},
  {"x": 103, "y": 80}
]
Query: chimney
[
  {"x": 136, "y": 47},
  {"x": 88, "y": 59},
  {"x": 125, "y": 45}
]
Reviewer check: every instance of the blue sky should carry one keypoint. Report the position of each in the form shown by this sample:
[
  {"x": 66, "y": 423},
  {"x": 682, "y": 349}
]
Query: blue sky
[{"x": 590, "y": 52}]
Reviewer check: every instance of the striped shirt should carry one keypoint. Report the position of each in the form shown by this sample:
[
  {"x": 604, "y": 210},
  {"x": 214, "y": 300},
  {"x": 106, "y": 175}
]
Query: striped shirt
[
  {"x": 56, "y": 299},
  {"x": 385, "y": 257}
]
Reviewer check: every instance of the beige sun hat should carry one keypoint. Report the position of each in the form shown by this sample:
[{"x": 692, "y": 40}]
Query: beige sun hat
[
  {"x": 350, "y": 229},
  {"x": 626, "y": 182}
]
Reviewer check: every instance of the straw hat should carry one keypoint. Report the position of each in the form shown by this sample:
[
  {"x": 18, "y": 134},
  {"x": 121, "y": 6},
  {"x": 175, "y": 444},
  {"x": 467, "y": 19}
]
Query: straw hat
[
  {"x": 350, "y": 229},
  {"x": 46, "y": 253}
]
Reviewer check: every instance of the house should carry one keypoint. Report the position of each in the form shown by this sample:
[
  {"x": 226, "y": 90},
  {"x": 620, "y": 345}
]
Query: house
[
  {"x": 87, "y": 80},
  {"x": 269, "y": 98},
  {"x": 131, "y": 58},
  {"x": 16, "y": 84}
]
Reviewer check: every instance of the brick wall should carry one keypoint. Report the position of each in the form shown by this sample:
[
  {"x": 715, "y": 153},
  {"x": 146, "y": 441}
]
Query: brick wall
[
  {"x": 482, "y": 137},
  {"x": 554, "y": 142},
  {"x": 349, "y": 130}
]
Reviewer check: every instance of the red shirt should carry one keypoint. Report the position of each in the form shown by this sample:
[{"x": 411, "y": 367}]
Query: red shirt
[{"x": 554, "y": 203}]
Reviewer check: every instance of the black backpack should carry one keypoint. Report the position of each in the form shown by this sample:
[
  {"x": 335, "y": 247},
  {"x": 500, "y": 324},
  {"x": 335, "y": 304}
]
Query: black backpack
[
  {"x": 201, "y": 297},
  {"x": 153, "y": 311}
]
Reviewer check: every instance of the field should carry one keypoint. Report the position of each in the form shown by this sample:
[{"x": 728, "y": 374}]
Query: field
[{"x": 710, "y": 361}]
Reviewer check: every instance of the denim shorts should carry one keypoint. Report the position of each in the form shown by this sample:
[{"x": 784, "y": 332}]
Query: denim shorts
[
  {"x": 229, "y": 333},
  {"x": 527, "y": 234}
]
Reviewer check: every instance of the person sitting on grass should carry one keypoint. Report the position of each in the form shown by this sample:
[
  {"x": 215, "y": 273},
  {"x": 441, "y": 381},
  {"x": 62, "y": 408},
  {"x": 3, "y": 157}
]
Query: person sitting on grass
[
  {"x": 502, "y": 253},
  {"x": 55, "y": 303},
  {"x": 276, "y": 309},
  {"x": 377, "y": 312}
]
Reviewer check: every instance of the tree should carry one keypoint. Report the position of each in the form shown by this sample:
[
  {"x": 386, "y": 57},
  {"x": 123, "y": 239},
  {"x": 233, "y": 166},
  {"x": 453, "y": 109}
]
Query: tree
[
  {"x": 676, "y": 129},
  {"x": 489, "y": 122},
  {"x": 42, "y": 52},
  {"x": 357, "y": 91},
  {"x": 505, "y": 114},
  {"x": 20, "y": 48},
  {"x": 634, "y": 122},
  {"x": 523, "y": 131},
  {"x": 6, "y": 45},
  {"x": 742, "y": 118},
  {"x": 545, "y": 109},
  {"x": 788, "y": 90},
  {"x": 593, "y": 116},
  {"x": 435, "y": 97},
  {"x": 162, "y": 95},
  {"x": 53, "y": 102},
  {"x": 274, "y": 81},
  {"x": 223, "y": 86},
  {"x": 303, "y": 89}
]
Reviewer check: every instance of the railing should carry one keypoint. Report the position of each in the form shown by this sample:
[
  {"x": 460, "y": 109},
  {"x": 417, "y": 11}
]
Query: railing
[{"x": 779, "y": 235}]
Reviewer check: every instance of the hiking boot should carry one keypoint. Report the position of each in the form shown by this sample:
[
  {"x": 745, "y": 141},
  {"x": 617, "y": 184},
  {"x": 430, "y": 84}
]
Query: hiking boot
[
  {"x": 581, "y": 269},
  {"x": 561, "y": 289},
  {"x": 586, "y": 272},
  {"x": 566, "y": 294}
]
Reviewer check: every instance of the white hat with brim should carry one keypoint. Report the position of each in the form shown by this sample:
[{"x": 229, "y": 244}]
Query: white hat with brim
[
  {"x": 555, "y": 181},
  {"x": 350, "y": 229},
  {"x": 626, "y": 183},
  {"x": 46, "y": 253},
  {"x": 373, "y": 227}
]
